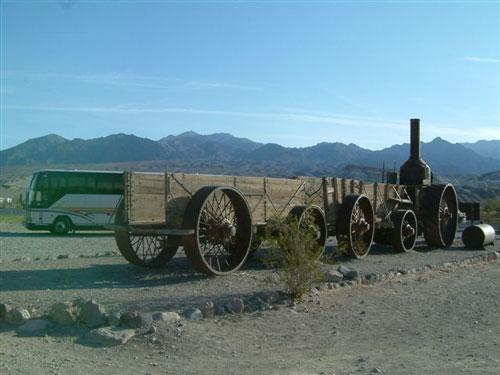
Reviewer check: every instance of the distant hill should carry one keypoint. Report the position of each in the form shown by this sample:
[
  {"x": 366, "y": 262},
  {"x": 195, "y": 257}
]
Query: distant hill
[
  {"x": 223, "y": 153},
  {"x": 489, "y": 149}
]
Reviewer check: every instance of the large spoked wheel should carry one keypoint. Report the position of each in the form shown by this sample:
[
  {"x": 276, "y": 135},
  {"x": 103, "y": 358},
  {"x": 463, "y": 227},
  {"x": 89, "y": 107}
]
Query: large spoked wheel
[
  {"x": 153, "y": 251},
  {"x": 404, "y": 234},
  {"x": 312, "y": 219},
  {"x": 440, "y": 215},
  {"x": 355, "y": 225},
  {"x": 222, "y": 222}
]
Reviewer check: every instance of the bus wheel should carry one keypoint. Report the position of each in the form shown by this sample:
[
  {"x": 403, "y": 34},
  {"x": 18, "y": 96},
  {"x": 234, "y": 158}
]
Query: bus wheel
[
  {"x": 152, "y": 251},
  {"x": 61, "y": 225}
]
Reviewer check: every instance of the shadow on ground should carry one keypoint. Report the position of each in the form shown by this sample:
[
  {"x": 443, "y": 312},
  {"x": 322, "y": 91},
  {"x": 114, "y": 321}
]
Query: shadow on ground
[{"x": 98, "y": 276}]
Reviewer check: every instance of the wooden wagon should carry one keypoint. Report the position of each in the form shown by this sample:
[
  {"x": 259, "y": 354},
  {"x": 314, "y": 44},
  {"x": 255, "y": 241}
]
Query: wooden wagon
[{"x": 219, "y": 219}]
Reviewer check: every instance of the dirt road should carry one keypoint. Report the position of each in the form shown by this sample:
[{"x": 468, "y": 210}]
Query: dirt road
[
  {"x": 438, "y": 322},
  {"x": 435, "y": 323}
]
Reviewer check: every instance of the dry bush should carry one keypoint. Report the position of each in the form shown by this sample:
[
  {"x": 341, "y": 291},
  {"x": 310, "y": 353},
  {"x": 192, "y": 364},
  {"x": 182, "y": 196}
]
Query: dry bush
[{"x": 293, "y": 253}]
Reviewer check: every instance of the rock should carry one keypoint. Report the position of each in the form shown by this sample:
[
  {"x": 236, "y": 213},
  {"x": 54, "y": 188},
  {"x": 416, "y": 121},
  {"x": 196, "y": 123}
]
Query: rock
[
  {"x": 17, "y": 316},
  {"x": 208, "y": 310},
  {"x": 269, "y": 297},
  {"x": 376, "y": 370},
  {"x": 348, "y": 273},
  {"x": 314, "y": 292},
  {"x": 62, "y": 256},
  {"x": 333, "y": 276},
  {"x": 256, "y": 303},
  {"x": 134, "y": 319},
  {"x": 113, "y": 318},
  {"x": 492, "y": 256},
  {"x": 166, "y": 316},
  {"x": 235, "y": 306},
  {"x": 4, "y": 309},
  {"x": 92, "y": 314},
  {"x": 110, "y": 336},
  {"x": 219, "y": 308},
  {"x": 34, "y": 327},
  {"x": 371, "y": 278},
  {"x": 63, "y": 313},
  {"x": 193, "y": 314}
]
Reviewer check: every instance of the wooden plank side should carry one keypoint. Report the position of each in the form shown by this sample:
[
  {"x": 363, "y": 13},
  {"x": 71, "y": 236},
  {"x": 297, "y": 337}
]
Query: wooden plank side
[
  {"x": 147, "y": 183},
  {"x": 368, "y": 190},
  {"x": 146, "y": 198}
]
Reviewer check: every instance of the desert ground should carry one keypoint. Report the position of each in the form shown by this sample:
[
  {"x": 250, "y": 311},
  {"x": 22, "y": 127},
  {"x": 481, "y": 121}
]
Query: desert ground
[{"x": 431, "y": 318}]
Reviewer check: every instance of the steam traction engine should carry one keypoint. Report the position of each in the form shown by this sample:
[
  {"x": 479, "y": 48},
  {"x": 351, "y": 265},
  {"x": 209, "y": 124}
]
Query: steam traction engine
[{"x": 219, "y": 220}]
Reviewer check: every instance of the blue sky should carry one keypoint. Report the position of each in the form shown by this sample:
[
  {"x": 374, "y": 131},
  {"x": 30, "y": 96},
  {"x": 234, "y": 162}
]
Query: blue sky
[{"x": 294, "y": 73}]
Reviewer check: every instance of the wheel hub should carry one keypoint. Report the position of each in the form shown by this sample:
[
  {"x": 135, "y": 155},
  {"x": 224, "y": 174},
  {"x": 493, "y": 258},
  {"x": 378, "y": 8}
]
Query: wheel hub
[
  {"x": 408, "y": 231},
  {"x": 361, "y": 226},
  {"x": 221, "y": 232}
]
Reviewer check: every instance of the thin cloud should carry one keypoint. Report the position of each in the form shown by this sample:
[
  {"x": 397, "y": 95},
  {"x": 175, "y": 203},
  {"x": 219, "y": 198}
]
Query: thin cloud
[
  {"x": 131, "y": 80},
  {"x": 483, "y": 59}
]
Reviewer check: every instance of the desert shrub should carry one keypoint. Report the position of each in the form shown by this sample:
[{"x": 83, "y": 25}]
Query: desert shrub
[
  {"x": 293, "y": 252},
  {"x": 491, "y": 211}
]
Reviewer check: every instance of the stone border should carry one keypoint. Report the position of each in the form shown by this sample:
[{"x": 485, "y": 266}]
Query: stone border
[{"x": 115, "y": 328}]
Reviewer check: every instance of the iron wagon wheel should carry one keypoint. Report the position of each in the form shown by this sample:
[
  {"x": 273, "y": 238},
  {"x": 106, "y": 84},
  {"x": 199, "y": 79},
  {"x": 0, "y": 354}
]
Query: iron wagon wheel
[
  {"x": 144, "y": 250},
  {"x": 355, "y": 225},
  {"x": 152, "y": 251},
  {"x": 257, "y": 241},
  {"x": 440, "y": 215},
  {"x": 222, "y": 222},
  {"x": 312, "y": 218},
  {"x": 404, "y": 234}
]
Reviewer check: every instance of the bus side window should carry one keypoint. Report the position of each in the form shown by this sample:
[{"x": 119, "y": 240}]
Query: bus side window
[
  {"x": 76, "y": 184},
  {"x": 91, "y": 184},
  {"x": 117, "y": 184},
  {"x": 104, "y": 184}
]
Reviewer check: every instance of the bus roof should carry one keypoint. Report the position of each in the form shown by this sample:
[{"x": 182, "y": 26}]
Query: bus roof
[{"x": 76, "y": 170}]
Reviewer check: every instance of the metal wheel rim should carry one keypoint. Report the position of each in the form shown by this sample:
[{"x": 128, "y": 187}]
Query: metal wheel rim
[
  {"x": 407, "y": 239},
  {"x": 447, "y": 215},
  {"x": 220, "y": 233},
  {"x": 360, "y": 239},
  {"x": 319, "y": 222},
  {"x": 147, "y": 248}
]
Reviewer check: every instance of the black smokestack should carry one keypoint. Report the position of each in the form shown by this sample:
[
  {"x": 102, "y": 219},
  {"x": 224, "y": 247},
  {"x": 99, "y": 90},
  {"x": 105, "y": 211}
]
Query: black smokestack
[
  {"x": 415, "y": 138},
  {"x": 415, "y": 171}
]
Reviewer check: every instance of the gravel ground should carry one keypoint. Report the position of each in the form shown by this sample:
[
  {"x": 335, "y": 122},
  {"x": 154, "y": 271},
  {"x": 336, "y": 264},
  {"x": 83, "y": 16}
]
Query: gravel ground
[
  {"x": 118, "y": 285},
  {"x": 435, "y": 323}
]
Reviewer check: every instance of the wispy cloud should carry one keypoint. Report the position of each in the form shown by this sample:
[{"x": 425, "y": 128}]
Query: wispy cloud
[
  {"x": 291, "y": 115},
  {"x": 483, "y": 59},
  {"x": 130, "y": 80}
]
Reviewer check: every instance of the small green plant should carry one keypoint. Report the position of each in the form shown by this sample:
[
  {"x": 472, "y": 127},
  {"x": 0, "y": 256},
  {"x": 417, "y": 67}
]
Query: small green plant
[
  {"x": 491, "y": 211},
  {"x": 293, "y": 252},
  {"x": 10, "y": 219}
]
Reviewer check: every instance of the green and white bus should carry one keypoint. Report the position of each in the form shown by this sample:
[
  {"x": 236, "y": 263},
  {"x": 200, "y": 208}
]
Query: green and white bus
[{"x": 61, "y": 200}]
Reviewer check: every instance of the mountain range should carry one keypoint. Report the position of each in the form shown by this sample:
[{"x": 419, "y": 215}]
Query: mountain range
[{"x": 224, "y": 153}]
